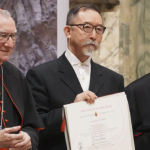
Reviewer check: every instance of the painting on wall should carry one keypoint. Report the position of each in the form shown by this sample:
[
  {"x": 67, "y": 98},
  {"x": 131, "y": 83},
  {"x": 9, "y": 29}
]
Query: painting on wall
[{"x": 36, "y": 22}]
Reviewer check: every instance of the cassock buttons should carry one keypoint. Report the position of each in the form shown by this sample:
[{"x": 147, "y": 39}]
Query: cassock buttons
[
  {"x": 4, "y": 111},
  {"x": 6, "y": 120}
]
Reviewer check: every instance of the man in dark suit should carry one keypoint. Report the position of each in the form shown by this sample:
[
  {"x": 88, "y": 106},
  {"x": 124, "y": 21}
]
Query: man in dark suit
[
  {"x": 73, "y": 77},
  {"x": 138, "y": 94}
]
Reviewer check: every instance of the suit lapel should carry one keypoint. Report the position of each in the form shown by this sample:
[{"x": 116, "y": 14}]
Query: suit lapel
[
  {"x": 96, "y": 80},
  {"x": 68, "y": 75}
]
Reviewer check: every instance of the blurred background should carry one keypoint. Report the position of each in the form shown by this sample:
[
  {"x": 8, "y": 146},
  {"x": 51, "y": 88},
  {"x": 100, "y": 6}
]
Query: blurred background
[{"x": 36, "y": 22}]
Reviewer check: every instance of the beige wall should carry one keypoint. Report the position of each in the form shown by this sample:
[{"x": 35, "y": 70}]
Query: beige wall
[
  {"x": 134, "y": 39},
  {"x": 126, "y": 42}
]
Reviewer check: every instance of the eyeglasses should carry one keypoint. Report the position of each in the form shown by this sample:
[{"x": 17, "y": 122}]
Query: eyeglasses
[
  {"x": 89, "y": 28},
  {"x": 5, "y": 36}
]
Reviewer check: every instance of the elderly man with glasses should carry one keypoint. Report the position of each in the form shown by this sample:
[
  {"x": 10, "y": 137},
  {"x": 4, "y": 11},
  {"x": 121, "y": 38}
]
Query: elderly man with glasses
[
  {"x": 73, "y": 77},
  {"x": 19, "y": 120}
]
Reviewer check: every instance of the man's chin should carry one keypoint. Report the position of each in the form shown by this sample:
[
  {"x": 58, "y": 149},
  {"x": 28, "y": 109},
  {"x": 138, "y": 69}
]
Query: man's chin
[
  {"x": 4, "y": 58},
  {"x": 88, "y": 52}
]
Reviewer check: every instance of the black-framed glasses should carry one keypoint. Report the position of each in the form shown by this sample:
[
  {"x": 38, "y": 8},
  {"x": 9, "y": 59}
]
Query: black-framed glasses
[
  {"x": 89, "y": 28},
  {"x": 5, "y": 36}
]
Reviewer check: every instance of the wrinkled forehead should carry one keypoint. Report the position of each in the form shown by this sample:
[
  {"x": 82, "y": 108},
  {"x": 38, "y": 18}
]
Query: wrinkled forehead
[{"x": 7, "y": 25}]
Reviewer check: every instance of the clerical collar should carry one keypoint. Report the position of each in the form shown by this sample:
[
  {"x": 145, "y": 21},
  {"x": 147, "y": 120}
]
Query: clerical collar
[{"x": 74, "y": 60}]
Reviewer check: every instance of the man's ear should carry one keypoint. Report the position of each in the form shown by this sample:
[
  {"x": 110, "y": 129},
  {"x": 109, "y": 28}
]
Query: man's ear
[{"x": 67, "y": 31}]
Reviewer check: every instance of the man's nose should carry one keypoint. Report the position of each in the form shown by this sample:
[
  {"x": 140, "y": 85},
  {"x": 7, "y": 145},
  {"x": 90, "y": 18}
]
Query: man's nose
[
  {"x": 93, "y": 34},
  {"x": 9, "y": 43}
]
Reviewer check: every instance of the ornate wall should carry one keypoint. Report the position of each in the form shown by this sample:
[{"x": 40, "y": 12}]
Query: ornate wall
[
  {"x": 134, "y": 39},
  {"x": 126, "y": 41},
  {"x": 36, "y": 22},
  {"x": 108, "y": 53}
]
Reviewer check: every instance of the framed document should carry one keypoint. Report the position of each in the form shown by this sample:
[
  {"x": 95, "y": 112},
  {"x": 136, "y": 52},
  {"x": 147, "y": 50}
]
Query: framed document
[{"x": 104, "y": 125}]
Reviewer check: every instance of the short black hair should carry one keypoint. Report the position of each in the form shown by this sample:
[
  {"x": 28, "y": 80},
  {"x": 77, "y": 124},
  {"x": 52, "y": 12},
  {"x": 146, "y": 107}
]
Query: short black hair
[{"x": 75, "y": 10}]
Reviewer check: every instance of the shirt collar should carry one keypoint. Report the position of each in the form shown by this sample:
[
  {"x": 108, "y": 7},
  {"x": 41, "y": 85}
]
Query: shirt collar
[{"x": 74, "y": 60}]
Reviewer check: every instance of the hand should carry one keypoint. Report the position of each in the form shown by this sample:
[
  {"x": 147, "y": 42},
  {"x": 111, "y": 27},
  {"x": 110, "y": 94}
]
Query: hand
[
  {"x": 8, "y": 140},
  {"x": 25, "y": 144},
  {"x": 86, "y": 96}
]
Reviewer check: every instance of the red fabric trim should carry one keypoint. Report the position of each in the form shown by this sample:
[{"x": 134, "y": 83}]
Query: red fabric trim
[
  {"x": 3, "y": 149},
  {"x": 13, "y": 103},
  {"x": 2, "y": 118},
  {"x": 4, "y": 122},
  {"x": 39, "y": 129},
  {"x": 63, "y": 125},
  {"x": 138, "y": 134}
]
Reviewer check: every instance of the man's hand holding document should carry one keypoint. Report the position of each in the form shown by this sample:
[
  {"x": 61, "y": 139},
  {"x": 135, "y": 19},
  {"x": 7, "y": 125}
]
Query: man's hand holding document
[{"x": 104, "y": 125}]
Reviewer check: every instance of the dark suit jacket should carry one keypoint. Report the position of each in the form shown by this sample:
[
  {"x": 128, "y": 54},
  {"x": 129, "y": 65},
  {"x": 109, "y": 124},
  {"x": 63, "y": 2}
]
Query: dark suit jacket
[
  {"x": 54, "y": 84},
  {"x": 19, "y": 104},
  {"x": 138, "y": 94}
]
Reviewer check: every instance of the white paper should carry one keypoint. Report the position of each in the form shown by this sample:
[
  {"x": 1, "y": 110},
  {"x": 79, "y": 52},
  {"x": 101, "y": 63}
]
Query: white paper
[{"x": 104, "y": 125}]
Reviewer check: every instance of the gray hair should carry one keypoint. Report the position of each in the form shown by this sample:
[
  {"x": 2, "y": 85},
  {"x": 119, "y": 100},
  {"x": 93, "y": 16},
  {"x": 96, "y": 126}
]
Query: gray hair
[
  {"x": 72, "y": 14},
  {"x": 5, "y": 13}
]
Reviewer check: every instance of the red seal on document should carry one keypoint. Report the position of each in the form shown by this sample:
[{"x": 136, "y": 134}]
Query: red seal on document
[{"x": 96, "y": 114}]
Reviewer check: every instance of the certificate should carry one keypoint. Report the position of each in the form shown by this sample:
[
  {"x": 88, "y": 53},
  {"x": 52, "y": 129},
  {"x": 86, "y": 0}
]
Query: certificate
[{"x": 104, "y": 125}]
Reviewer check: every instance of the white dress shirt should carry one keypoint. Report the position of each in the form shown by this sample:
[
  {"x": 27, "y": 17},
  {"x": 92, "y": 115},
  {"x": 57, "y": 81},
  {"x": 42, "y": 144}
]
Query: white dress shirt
[{"x": 82, "y": 70}]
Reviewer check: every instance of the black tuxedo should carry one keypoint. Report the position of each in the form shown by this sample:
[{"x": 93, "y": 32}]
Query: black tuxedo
[
  {"x": 54, "y": 84},
  {"x": 138, "y": 94}
]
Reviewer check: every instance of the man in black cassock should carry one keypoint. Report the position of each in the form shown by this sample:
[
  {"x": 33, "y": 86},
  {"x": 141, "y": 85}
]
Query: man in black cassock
[
  {"x": 138, "y": 94},
  {"x": 19, "y": 121}
]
